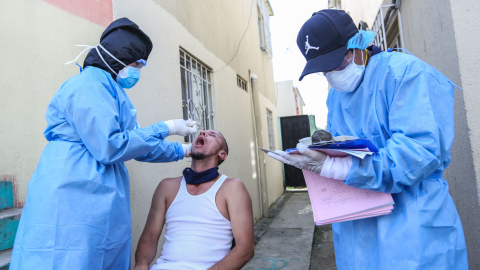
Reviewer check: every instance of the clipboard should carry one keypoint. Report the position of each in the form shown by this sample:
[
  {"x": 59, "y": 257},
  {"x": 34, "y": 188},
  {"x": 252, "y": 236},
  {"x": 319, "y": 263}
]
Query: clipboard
[{"x": 346, "y": 145}]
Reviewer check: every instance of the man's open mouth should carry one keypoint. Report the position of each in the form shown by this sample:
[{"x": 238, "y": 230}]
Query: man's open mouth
[{"x": 200, "y": 141}]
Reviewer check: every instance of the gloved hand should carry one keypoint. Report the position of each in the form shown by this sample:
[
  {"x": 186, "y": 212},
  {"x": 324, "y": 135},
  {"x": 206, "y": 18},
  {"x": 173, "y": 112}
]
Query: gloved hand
[
  {"x": 181, "y": 127},
  {"x": 187, "y": 150},
  {"x": 309, "y": 160}
]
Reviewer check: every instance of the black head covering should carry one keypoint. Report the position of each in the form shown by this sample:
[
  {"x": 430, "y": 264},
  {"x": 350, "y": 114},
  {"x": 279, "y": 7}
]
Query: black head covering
[{"x": 124, "y": 40}]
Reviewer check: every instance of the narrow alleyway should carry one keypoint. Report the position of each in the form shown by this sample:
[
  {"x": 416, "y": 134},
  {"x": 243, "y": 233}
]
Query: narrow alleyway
[{"x": 285, "y": 239}]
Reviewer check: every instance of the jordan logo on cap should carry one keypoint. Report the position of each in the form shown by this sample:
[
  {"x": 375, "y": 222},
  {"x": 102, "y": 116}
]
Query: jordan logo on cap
[{"x": 308, "y": 47}]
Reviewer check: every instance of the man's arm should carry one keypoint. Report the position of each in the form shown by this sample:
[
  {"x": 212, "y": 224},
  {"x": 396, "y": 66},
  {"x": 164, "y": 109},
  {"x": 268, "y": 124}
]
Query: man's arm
[
  {"x": 239, "y": 205},
  {"x": 147, "y": 245}
]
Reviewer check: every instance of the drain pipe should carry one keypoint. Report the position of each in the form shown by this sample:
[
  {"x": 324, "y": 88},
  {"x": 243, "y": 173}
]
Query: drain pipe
[{"x": 257, "y": 129}]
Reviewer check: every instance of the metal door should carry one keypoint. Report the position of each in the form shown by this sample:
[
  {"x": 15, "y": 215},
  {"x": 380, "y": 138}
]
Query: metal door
[{"x": 294, "y": 128}]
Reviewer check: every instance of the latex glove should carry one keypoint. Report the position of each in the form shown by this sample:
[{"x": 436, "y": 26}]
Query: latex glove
[
  {"x": 187, "y": 150},
  {"x": 181, "y": 127},
  {"x": 314, "y": 155},
  {"x": 309, "y": 160}
]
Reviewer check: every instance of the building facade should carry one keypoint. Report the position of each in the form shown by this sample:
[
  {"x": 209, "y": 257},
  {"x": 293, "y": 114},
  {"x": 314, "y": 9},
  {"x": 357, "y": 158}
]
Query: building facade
[
  {"x": 211, "y": 60},
  {"x": 441, "y": 33},
  {"x": 289, "y": 99}
]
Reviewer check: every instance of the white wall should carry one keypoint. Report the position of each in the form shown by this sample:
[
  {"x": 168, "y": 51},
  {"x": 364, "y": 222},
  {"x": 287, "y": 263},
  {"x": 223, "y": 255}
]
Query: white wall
[{"x": 285, "y": 99}]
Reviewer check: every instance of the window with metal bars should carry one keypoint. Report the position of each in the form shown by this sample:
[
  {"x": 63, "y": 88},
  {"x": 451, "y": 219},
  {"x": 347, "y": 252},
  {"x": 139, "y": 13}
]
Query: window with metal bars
[
  {"x": 242, "y": 83},
  {"x": 261, "y": 28},
  {"x": 271, "y": 135},
  {"x": 197, "y": 101},
  {"x": 388, "y": 27},
  {"x": 263, "y": 22}
]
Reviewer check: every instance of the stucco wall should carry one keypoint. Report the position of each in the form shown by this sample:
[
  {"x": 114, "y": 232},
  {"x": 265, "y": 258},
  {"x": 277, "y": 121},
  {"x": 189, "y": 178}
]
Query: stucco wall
[
  {"x": 158, "y": 95},
  {"x": 365, "y": 11},
  {"x": 37, "y": 39},
  {"x": 272, "y": 167},
  {"x": 466, "y": 23},
  {"x": 221, "y": 32},
  {"x": 285, "y": 99}
]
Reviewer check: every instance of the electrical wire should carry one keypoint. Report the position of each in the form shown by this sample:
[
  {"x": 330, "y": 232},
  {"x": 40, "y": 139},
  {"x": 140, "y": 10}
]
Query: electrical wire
[{"x": 240, "y": 42}]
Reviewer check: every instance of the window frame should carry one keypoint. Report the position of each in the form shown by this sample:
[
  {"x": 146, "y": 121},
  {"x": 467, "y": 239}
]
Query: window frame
[
  {"x": 197, "y": 92},
  {"x": 261, "y": 28}
]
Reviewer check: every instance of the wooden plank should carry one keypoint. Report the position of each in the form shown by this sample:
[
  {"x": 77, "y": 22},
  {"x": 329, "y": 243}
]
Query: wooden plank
[{"x": 6, "y": 195}]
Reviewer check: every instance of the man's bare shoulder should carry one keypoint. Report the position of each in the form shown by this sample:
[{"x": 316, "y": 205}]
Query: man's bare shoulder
[
  {"x": 233, "y": 186},
  {"x": 233, "y": 182},
  {"x": 167, "y": 186},
  {"x": 168, "y": 182}
]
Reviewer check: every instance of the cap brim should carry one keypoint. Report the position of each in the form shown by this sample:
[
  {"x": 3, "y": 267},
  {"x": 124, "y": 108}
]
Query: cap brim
[{"x": 325, "y": 62}]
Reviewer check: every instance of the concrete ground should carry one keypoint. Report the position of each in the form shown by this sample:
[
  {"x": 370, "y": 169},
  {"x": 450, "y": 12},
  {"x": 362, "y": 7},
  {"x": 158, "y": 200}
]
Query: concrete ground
[
  {"x": 285, "y": 239},
  {"x": 323, "y": 252}
]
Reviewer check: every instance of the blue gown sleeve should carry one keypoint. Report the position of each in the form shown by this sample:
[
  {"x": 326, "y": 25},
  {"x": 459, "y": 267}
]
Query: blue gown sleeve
[
  {"x": 93, "y": 113},
  {"x": 165, "y": 151},
  {"x": 420, "y": 119}
]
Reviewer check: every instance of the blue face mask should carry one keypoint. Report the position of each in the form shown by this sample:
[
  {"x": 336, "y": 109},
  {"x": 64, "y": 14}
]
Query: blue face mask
[{"x": 128, "y": 77}]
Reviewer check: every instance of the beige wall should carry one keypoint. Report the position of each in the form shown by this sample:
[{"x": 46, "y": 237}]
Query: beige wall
[
  {"x": 38, "y": 38},
  {"x": 36, "y": 41},
  {"x": 221, "y": 32},
  {"x": 286, "y": 103},
  {"x": 272, "y": 167},
  {"x": 365, "y": 11},
  {"x": 213, "y": 40}
]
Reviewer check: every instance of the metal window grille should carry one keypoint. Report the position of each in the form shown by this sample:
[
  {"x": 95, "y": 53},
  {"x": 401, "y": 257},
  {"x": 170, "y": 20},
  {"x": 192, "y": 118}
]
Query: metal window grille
[
  {"x": 242, "y": 83},
  {"x": 271, "y": 137},
  {"x": 261, "y": 28},
  {"x": 197, "y": 101},
  {"x": 264, "y": 28},
  {"x": 388, "y": 28}
]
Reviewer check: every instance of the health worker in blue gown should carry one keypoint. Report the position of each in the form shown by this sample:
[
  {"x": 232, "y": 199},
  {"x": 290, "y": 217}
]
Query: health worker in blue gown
[
  {"x": 405, "y": 107},
  {"x": 77, "y": 212}
]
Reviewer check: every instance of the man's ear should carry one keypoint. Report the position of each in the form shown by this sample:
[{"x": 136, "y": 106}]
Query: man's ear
[{"x": 222, "y": 155}]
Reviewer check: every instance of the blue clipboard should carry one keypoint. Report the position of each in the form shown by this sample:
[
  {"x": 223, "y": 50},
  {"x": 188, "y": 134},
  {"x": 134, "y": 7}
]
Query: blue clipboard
[{"x": 346, "y": 145}]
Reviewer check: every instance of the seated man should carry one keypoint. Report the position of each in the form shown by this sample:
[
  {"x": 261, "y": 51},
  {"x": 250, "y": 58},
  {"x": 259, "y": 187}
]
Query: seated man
[{"x": 203, "y": 211}]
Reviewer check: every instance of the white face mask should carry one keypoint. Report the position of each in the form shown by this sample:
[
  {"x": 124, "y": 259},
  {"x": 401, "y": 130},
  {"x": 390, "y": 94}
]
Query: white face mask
[{"x": 348, "y": 79}]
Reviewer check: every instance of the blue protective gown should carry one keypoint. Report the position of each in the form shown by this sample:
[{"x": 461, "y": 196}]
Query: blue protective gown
[
  {"x": 405, "y": 107},
  {"x": 77, "y": 212}
]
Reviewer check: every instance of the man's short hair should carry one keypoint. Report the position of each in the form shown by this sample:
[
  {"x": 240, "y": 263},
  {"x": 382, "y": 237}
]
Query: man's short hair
[{"x": 224, "y": 148}]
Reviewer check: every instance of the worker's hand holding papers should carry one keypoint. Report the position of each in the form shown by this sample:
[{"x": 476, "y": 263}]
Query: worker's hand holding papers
[
  {"x": 307, "y": 159},
  {"x": 332, "y": 200}
]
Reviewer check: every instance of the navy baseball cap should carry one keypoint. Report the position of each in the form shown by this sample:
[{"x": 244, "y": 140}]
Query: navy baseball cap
[{"x": 323, "y": 40}]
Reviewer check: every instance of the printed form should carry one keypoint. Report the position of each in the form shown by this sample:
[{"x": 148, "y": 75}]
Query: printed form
[{"x": 333, "y": 201}]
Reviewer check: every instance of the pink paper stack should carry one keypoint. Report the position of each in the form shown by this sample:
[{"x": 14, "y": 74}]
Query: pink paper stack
[{"x": 333, "y": 201}]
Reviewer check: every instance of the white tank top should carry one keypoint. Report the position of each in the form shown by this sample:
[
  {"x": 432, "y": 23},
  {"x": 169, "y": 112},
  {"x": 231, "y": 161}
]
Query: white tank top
[{"x": 197, "y": 235}]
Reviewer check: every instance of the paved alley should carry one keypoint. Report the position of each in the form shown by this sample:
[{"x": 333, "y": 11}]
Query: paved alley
[{"x": 285, "y": 239}]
